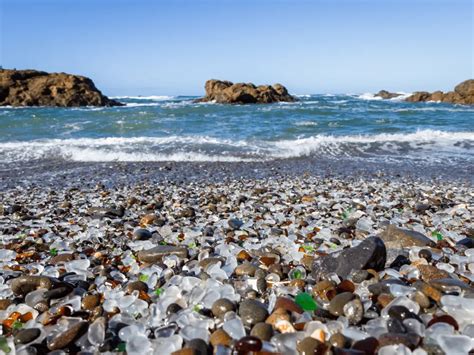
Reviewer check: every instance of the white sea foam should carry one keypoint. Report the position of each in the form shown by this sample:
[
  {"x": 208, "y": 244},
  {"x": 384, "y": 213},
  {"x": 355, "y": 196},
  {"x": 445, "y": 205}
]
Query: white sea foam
[
  {"x": 306, "y": 123},
  {"x": 425, "y": 143},
  {"x": 371, "y": 96},
  {"x": 151, "y": 97}
]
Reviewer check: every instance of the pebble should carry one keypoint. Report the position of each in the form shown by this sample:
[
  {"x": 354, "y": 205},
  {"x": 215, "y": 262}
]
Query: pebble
[
  {"x": 25, "y": 284},
  {"x": 220, "y": 337},
  {"x": 137, "y": 286},
  {"x": 336, "y": 306},
  {"x": 369, "y": 254},
  {"x": 222, "y": 306},
  {"x": 141, "y": 234},
  {"x": 25, "y": 336},
  {"x": 157, "y": 253},
  {"x": 309, "y": 346},
  {"x": 399, "y": 238},
  {"x": 252, "y": 312},
  {"x": 248, "y": 344},
  {"x": 89, "y": 302},
  {"x": 263, "y": 331},
  {"x": 65, "y": 338}
]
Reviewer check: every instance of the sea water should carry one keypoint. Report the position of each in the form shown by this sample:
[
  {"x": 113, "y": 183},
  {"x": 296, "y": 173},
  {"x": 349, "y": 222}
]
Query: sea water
[{"x": 166, "y": 128}]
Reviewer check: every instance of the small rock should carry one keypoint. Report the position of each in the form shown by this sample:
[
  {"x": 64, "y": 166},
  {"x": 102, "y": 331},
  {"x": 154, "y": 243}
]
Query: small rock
[
  {"x": 61, "y": 258},
  {"x": 65, "y": 338},
  {"x": 398, "y": 238},
  {"x": 336, "y": 306},
  {"x": 25, "y": 284},
  {"x": 309, "y": 346},
  {"x": 222, "y": 306},
  {"x": 220, "y": 337},
  {"x": 141, "y": 234},
  {"x": 252, "y": 312},
  {"x": 263, "y": 331},
  {"x": 89, "y": 302},
  {"x": 248, "y": 344},
  {"x": 369, "y": 254},
  {"x": 235, "y": 223},
  {"x": 245, "y": 269},
  {"x": 157, "y": 253},
  {"x": 430, "y": 272},
  {"x": 25, "y": 336}
]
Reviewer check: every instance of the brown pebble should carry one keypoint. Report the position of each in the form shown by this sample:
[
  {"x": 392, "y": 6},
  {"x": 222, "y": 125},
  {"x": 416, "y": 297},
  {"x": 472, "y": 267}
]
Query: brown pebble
[
  {"x": 336, "y": 306},
  {"x": 445, "y": 318},
  {"x": 324, "y": 290},
  {"x": 368, "y": 345},
  {"x": 338, "y": 340},
  {"x": 287, "y": 304},
  {"x": 89, "y": 302},
  {"x": 245, "y": 269},
  {"x": 220, "y": 337},
  {"x": 4, "y": 303},
  {"x": 61, "y": 258},
  {"x": 137, "y": 286},
  {"x": 248, "y": 344},
  {"x": 65, "y": 338},
  {"x": 277, "y": 315},
  {"x": 430, "y": 272},
  {"x": 222, "y": 306},
  {"x": 263, "y": 331},
  {"x": 410, "y": 340},
  {"x": 420, "y": 298},
  {"x": 384, "y": 299},
  {"x": 310, "y": 346}
]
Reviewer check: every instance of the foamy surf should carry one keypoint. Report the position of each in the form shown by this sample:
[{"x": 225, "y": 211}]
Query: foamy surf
[{"x": 425, "y": 143}]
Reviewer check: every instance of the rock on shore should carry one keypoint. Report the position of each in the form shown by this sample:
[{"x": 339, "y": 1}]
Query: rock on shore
[
  {"x": 227, "y": 92},
  {"x": 463, "y": 94},
  {"x": 384, "y": 94},
  {"x": 38, "y": 88}
]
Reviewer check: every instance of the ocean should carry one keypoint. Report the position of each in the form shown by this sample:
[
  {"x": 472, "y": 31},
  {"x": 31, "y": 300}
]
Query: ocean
[{"x": 167, "y": 128}]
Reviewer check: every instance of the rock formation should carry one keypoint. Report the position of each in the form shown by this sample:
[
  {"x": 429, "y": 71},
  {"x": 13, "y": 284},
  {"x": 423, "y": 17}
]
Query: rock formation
[
  {"x": 463, "y": 94},
  {"x": 227, "y": 92},
  {"x": 37, "y": 88},
  {"x": 384, "y": 94}
]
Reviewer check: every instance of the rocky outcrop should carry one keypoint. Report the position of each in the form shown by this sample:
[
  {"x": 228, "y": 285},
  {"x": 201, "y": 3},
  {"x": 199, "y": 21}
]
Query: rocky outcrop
[
  {"x": 384, "y": 94},
  {"x": 463, "y": 94},
  {"x": 226, "y": 92},
  {"x": 38, "y": 88}
]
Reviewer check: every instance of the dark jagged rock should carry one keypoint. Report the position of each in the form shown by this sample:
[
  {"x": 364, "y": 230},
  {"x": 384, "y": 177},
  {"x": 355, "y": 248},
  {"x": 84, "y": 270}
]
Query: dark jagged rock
[
  {"x": 384, "y": 94},
  {"x": 463, "y": 94},
  {"x": 227, "y": 92},
  {"x": 369, "y": 254},
  {"x": 38, "y": 88}
]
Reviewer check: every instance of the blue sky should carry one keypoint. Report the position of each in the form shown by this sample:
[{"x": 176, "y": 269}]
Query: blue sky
[{"x": 172, "y": 47}]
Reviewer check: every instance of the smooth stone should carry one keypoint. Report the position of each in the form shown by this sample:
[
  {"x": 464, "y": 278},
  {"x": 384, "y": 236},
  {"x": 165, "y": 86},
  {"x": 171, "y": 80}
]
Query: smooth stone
[
  {"x": 65, "y": 338},
  {"x": 157, "y": 253},
  {"x": 252, "y": 312},
  {"x": 100, "y": 212},
  {"x": 410, "y": 340},
  {"x": 137, "y": 286},
  {"x": 61, "y": 258},
  {"x": 23, "y": 285},
  {"x": 141, "y": 234},
  {"x": 308, "y": 346},
  {"x": 25, "y": 336},
  {"x": 58, "y": 292},
  {"x": 324, "y": 290},
  {"x": 263, "y": 331},
  {"x": 368, "y": 345},
  {"x": 204, "y": 263},
  {"x": 89, "y": 302},
  {"x": 338, "y": 340},
  {"x": 467, "y": 242},
  {"x": 220, "y": 337},
  {"x": 222, "y": 306},
  {"x": 287, "y": 304},
  {"x": 369, "y": 254},
  {"x": 199, "y": 346},
  {"x": 445, "y": 318},
  {"x": 4, "y": 303},
  {"x": 188, "y": 212},
  {"x": 336, "y": 306},
  {"x": 245, "y": 269},
  {"x": 248, "y": 344},
  {"x": 423, "y": 300},
  {"x": 235, "y": 223},
  {"x": 398, "y": 238},
  {"x": 394, "y": 325},
  {"x": 279, "y": 314}
]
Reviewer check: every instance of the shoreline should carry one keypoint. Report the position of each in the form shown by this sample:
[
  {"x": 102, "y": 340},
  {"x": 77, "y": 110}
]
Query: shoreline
[{"x": 59, "y": 173}]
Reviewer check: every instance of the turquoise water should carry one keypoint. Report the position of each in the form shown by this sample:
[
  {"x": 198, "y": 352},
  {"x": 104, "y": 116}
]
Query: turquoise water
[{"x": 160, "y": 128}]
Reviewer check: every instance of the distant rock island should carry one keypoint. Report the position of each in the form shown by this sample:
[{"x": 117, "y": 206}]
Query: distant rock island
[
  {"x": 463, "y": 94},
  {"x": 226, "y": 92},
  {"x": 38, "y": 88}
]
